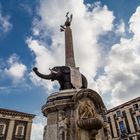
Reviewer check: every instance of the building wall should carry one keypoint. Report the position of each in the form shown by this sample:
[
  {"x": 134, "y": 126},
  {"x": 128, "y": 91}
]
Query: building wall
[
  {"x": 124, "y": 121},
  {"x": 16, "y": 127}
]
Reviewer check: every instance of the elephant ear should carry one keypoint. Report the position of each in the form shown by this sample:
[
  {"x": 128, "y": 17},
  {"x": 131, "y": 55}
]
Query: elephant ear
[{"x": 65, "y": 69}]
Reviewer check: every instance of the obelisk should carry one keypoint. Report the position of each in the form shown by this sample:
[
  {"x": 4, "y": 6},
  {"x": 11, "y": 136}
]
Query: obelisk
[{"x": 69, "y": 58}]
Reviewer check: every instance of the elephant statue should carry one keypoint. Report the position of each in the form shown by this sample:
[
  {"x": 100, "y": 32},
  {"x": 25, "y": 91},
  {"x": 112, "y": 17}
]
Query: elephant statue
[{"x": 63, "y": 75}]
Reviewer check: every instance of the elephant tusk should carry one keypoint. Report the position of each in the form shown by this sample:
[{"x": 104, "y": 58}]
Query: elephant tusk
[{"x": 52, "y": 71}]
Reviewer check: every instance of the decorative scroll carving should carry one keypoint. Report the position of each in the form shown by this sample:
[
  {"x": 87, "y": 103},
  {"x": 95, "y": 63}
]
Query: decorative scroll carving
[{"x": 63, "y": 125}]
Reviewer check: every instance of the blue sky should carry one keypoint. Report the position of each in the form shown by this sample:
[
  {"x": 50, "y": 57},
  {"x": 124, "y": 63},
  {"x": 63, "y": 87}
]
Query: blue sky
[
  {"x": 18, "y": 96},
  {"x": 29, "y": 36}
]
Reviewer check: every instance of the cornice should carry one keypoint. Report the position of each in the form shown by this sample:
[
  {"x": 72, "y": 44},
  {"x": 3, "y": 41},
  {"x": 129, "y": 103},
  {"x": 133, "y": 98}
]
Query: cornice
[
  {"x": 124, "y": 104},
  {"x": 16, "y": 113}
]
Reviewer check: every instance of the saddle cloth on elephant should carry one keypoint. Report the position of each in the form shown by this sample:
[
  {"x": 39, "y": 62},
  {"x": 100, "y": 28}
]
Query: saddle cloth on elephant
[{"x": 76, "y": 78}]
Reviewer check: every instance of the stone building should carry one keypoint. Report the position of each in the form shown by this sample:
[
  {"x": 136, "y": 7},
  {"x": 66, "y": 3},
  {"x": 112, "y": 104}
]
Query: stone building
[
  {"x": 15, "y": 125},
  {"x": 124, "y": 120}
]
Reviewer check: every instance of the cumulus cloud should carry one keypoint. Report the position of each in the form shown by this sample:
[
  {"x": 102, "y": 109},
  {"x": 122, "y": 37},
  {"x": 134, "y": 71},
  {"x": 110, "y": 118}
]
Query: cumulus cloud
[
  {"x": 89, "y": 23},
  {"x": 120, "y": 28},
  {"x": 45, "y": 59},
  {"x": 122, "y": 76},
  {"x": 5, "y": 24},
  {"x": 121, "y": 63},
  {"x": 38, "y": 127},
  {"x": 16, "y": 69}
]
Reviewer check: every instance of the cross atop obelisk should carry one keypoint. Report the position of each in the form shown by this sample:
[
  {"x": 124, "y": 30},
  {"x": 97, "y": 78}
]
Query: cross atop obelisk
[{"x": 69, "y": 53}]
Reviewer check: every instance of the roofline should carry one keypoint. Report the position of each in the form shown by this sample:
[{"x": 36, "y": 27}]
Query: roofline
[
  {"x": 16, "y": 113},
  {"x": 124, "y": 104}
]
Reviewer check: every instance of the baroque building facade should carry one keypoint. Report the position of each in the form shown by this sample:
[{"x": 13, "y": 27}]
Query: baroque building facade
[
  {"x": 124, "y": 120},
  {"x": 15, "y": 125}
]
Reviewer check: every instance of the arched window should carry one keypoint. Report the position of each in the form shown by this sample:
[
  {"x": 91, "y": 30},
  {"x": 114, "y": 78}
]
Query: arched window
[
  {"x": 19, "y": 131},
  {"x": 2, "y": 129}
]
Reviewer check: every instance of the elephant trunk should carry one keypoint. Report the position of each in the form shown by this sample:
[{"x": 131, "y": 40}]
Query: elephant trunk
[{"x": 48, "y": 77}]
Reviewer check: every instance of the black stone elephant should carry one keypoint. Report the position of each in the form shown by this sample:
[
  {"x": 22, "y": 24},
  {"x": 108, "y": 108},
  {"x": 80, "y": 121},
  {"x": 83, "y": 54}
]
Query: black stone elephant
[{"x": 62, "y": 75}]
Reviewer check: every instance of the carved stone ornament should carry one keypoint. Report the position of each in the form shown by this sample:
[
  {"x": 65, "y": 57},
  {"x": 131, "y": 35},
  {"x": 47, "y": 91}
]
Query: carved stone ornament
[
  {"x": 87, "y": 117},
  {"x": 107, "y": 131},
  {"x": 93, "y": 96},
  {"x": 89, "y": 109},
  {"x": 62, "y": 125}
]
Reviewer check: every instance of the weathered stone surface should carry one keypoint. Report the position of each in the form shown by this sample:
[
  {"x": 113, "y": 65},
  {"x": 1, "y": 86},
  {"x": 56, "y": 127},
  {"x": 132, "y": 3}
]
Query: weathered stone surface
[
  {"x": 52, "y": 118},
  {"x": 77, "y": 115},
  {"x": 51, "y": 132}
]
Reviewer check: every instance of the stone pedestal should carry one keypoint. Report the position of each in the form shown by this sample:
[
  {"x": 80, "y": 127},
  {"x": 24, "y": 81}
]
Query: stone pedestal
[{"x": 75, "y": 115}]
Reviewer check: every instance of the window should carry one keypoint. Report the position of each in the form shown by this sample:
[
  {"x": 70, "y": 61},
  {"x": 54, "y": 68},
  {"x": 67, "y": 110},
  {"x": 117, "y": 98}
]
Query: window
[
  {"x": 19, "y": 131},
  {"x": 138, "y": 119},
  {"x": 2, "y": 129},
  {"x": 136, "y": 106},
  {"x": 118, "y": 113},
  {"x": 122, "y": 127}
]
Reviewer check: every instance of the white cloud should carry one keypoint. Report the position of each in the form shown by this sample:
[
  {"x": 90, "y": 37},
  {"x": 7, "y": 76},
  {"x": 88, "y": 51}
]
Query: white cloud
[
  {"x": 45, "y": 59},
  {"x": 5, "y": 24},
  {"x": 38, "y": 128},
  {"x": 16, "y": 69},
  {"x": 122, "y": 73},
  {"x": 120, "y": 28},
  {"x": 87, "y": 25},
  {"x": 134, "y": 22}
]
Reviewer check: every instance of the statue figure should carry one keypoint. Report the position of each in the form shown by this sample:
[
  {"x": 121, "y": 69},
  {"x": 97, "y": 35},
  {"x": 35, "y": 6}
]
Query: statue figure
[
  {"x": 62, "y": 75},
  {"x": 62, "y": 126},
  {"x": 67, "y": 22}
]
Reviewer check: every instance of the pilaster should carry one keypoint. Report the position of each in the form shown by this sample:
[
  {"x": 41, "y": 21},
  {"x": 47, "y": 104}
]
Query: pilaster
[
  {"x": 28, "y": 130},
  {"x": 113, "y": 125},
  {"x": 10, "y": 129},
  {"x": 132, "y": 129}
]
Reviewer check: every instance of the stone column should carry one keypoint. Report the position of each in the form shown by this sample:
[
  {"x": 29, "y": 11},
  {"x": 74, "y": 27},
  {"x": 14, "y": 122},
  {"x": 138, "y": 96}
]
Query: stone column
[
  {"x": 10, "y": 129},
  {"x": 28, "y": 131},
  {"x": 113, "y": 125}
]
